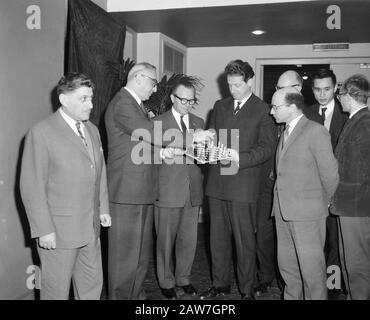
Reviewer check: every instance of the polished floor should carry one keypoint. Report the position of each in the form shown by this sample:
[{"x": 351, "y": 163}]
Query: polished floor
[{"x": 200, "y": 277}]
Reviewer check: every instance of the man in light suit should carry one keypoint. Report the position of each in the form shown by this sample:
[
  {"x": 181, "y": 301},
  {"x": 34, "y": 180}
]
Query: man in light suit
[
  {"x": 64, "y": 190},
  {"x": 307, "y": 176},
  {"x": 324, "y": 86},
  {"x": 233, "y": 197},
  {"x": 352, "y": 198},
  {"x": 180, "y": 195},
  {"x": 132, "y": 183}
]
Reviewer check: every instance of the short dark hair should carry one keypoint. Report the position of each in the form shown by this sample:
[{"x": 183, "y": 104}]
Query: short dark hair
[
  {"x": 187, "y": 82},
  {"x": 295, "y": 98},
  {"x": 240, "y": 68},
  {"x": 357, "y": 86},
  {"x": 73, "y": 81},
  {"x": 324, "y": 73}
]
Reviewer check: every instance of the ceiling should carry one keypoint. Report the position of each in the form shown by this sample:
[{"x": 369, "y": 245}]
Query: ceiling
[{"x": 284, "y": 23}]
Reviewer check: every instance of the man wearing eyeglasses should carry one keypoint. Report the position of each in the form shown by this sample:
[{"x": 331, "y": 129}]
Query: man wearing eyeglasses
[
  {"x": 232, "y": 198},
  {"x": 351, "y": 200},
  {"x": 324, "y": 86},
  {"x": 180, "y": 186},
  {"x": 132, "y": 183},
  {"x": 306, "y": 179},
  {"x": 292, "y": 79}
]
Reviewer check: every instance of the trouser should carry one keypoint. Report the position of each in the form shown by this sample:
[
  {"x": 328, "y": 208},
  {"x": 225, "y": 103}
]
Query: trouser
[
  {"x": 237, "y": 220},
  {"x": 83, "y": 265},
  {"x": 129, "y": 248}
]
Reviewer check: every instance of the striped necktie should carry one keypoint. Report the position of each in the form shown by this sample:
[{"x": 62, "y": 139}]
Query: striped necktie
[
  {"x": 285, "y": 136},
  {"x": 237, "y": 108},
  {"x": 79, "y": 129},
  {"x": 183, "y": 126}
]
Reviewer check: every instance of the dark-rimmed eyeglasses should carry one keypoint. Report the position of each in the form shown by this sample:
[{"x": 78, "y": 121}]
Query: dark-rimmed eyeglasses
[
  {"x": 185, "y": 101},
  {"x": 154, "y": 81},
  {"x": 279, "y": 106},
  {"x": 340, "y": 95},
  {"x": 292, "y": 86}
]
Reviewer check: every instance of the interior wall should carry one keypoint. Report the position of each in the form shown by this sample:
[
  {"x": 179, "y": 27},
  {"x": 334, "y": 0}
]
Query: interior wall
[
  {"x": 208, "y": 63},
  {"x": 31, "y": 63}
]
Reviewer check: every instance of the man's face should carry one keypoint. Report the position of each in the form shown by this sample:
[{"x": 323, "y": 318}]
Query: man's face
[
  {"x": 287, "y": 80},
  {"x": 280, "y": 110},
  {"x": 182, "y": 95},
  {"x": 323, "y": 90},
  {"x": 148, "y": 83},
  {"x": 239, "y": 89},
  {"x": 78, "y": 103},
  {"x": 345, "y": 101}
]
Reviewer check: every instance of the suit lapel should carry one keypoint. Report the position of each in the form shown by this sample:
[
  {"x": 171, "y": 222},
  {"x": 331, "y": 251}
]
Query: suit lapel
[
  {"x": 134, "y": 102},
  {"x": 293, "y": 135},
  {"x": 68, "y": 133}
]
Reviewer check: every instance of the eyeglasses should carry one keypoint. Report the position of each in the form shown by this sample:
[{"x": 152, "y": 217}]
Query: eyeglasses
[
  {"x": 292, "y": 86},
  {"x": 279, "y": 106},
  {"x": 154, "y": 81},
  {"x": 185, "y": 101},
  {"x": 339, "y": 95}
]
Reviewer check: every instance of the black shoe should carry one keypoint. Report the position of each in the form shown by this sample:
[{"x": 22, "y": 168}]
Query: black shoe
[
  {"x": 189, "y": 289},
  {"x": 214, "y": 292},
  {"x": 262, "y": 288},
  {"x": 334, "y": 294},
  {"x": 169, "y": 294},
  {"x": 248, "y": 297}
]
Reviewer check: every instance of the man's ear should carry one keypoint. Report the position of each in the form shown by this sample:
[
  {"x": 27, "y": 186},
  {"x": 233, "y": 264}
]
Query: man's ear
[
  {"x": 250, "y": 82},
  {"x": 335, "y": 88},
  {"x": 172, "y": 98},
  {"x": 63, "y": 99}
]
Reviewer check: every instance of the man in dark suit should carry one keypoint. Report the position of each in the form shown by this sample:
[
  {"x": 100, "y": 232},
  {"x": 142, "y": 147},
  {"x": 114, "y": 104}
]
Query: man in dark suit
[
  {"x": 306, "y": 178},
  {"x": 64, "y": 190},
  {"x": 351, "y": 201},
  {"x": 132, "y": 182},
  {"x": 180, "y": 186},
  {"x": 324, "y": 86},
  {"x": 245, "y": 120}
]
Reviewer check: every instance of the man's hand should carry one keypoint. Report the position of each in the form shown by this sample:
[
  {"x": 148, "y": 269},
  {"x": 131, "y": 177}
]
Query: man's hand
[
  {"x": 233, "y": 154},
  {"x": 203, "y": 135},
  {"x": 167, "y": 153},
  {"x": 105, "y": 220},
  {"x": 47, "y": 241}
]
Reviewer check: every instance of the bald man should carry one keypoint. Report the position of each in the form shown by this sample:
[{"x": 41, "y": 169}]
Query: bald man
[
  {"x": 307, "y": 177},
  {"x": 292, "y": 79}
]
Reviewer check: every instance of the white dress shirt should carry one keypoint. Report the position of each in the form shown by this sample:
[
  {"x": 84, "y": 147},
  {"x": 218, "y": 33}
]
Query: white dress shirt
[
  {"x": 328, "y": 113},
  {"x": 72, "y": 123}
]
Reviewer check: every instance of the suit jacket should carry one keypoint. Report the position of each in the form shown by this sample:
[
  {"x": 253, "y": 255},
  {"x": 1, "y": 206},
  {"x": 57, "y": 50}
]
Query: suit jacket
[
  {"x": 352, "y": 197},
  {"x": 63, "y": 190},
  {"x": 129, "y": 182},
  {"x": 337, "y": 121},
  {"x": 307, "y": 173},
  {"x": 177, "y": 180},
  {"x": 256, "y": 142}
]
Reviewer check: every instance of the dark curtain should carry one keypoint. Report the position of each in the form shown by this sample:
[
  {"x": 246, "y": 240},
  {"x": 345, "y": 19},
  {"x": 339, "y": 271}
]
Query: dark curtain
[{"x": 93, "y": 39}]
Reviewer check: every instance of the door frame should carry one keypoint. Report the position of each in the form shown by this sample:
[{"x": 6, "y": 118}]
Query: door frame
[{"x": 261, "y": 62}]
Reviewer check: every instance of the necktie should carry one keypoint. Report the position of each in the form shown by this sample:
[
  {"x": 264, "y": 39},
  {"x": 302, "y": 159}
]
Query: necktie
[
  {"x": 143, "y": 109},
  {"x": 285, "y": 136},
  {"x": 183, "y": 126},
  {"x": 78, "y": 126},
  {"x": 323, "y": 113},
  {"x": 237, "y": 108}
]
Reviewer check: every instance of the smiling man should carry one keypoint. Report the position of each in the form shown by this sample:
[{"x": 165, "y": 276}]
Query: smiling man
[{"x": 64, "y": 190}]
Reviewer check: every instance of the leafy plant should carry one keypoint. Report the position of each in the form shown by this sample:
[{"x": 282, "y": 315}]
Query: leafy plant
[{"x": 120, "y": 69}]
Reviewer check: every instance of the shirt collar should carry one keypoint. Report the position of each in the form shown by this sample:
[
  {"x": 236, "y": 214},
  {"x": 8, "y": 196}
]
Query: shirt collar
[
  {"x": 242, "y": 101},
  {"x": 177, "y": 118},
  {"x": 353, "y": 113},
  {"x": 329, "y": 107},
  {"x": 138, "y": 100},
  {"x": 293, "y": 123},
  {"x": 70, "y": 121}
]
